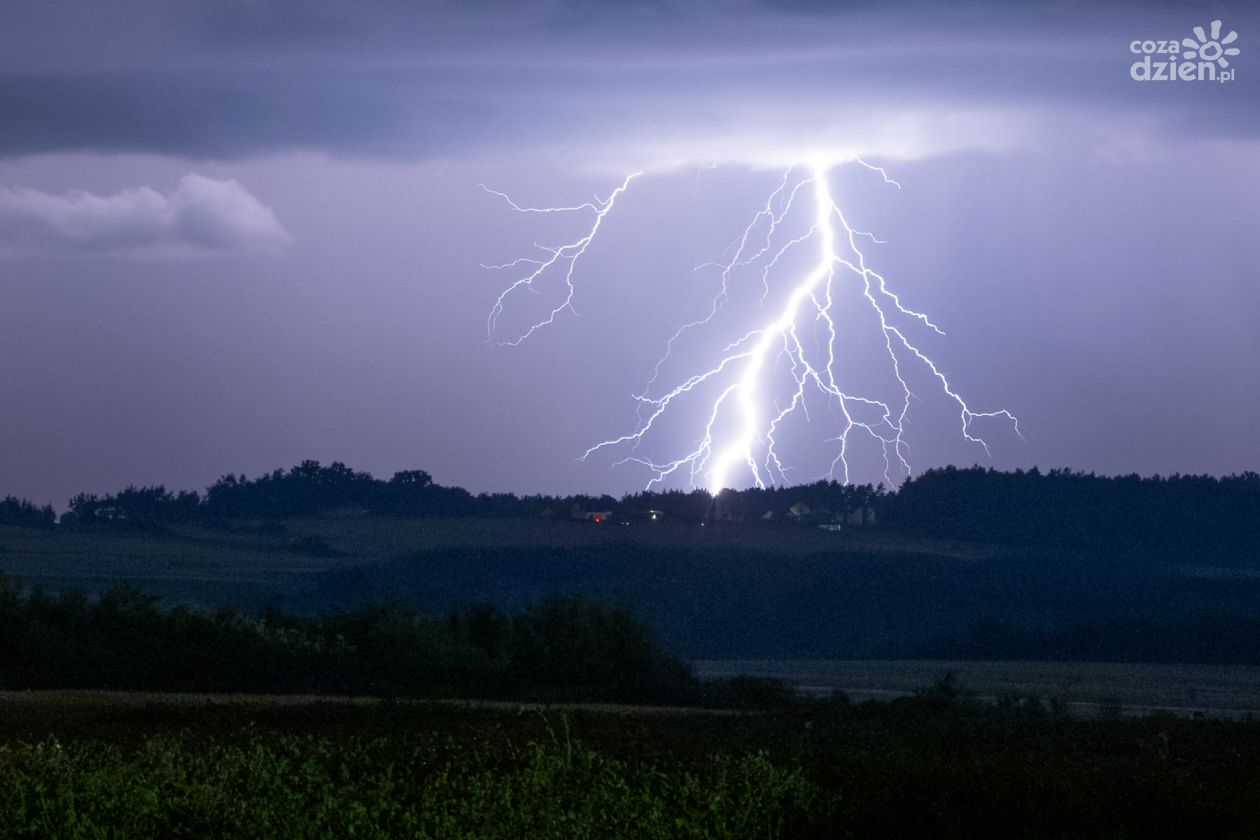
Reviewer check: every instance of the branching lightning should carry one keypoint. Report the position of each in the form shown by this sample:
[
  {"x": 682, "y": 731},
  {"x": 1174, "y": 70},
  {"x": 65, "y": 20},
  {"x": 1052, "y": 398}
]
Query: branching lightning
[
  {"x": 563, "y": 257},
  {"x": 762, "y": 380}
]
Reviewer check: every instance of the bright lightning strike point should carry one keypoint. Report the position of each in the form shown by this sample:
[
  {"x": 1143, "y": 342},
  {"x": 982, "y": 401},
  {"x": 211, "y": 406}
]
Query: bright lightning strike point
[{"x": 745, "y": 418}]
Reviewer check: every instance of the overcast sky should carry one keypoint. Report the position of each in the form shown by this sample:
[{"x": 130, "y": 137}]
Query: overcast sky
[{"x": 237, "y": 234}]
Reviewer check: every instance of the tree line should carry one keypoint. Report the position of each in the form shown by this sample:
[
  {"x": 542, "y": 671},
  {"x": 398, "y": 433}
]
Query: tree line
[
  {"x": 123, "y": 640},
  {"x": 1059, "y": 508},
  {"x": 312, "y": 489},
  {"x": 1065, "y": 508},
  {"x": 24, "y": 513}
]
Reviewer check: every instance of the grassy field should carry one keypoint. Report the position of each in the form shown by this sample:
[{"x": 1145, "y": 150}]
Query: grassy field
[
  {"x": 75, "y": 765},
  {"x": 375, "y": 537},
  {"x": 186, "y": 564},
  {"x": 265, "y": 553},
  {"x": 250, "y": 563}
]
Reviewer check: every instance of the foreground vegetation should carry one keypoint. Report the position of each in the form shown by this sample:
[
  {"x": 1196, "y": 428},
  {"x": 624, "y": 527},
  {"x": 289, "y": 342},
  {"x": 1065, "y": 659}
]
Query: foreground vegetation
[
  {"x": 309, "y": 787},
  {"x": 926, "y": 766}
]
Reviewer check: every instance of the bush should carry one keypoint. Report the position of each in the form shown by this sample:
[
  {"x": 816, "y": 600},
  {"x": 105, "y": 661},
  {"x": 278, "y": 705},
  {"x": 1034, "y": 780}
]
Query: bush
[{"x": 564, "y": 649}]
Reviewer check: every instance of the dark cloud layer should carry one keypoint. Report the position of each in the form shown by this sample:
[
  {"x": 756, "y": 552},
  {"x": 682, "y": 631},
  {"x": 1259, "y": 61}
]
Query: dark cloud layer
[
  {"x": 197, "y": 114},
  {"x": 224, "y": 80}
]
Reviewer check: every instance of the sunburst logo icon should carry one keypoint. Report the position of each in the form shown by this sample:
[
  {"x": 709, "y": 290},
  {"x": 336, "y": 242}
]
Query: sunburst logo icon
[{"x": 1214, "y": 48}]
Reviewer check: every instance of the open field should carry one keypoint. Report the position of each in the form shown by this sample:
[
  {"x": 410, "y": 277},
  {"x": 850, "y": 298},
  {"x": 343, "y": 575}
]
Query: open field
[
  {"x": 249, "y": 564},
  {"x": 72, "y": 764},
  {"x": 265, "y": 553},
  {"x": 378, "y": 537},
  {"x": 1085, "y": 688},
  {"x": 927, "y": 765},
  {"x": 211, "y": 567}
]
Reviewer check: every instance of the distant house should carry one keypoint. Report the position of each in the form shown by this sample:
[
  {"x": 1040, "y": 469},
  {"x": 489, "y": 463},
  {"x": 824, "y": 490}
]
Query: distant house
[
  {"x": 800, "y": 510},
  {"x": 583, "y": 515},
  {"x": 656, "y": 515}
]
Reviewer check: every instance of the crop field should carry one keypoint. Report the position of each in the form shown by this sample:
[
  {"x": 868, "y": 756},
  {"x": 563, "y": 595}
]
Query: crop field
[{"x": 96, "y": 764}]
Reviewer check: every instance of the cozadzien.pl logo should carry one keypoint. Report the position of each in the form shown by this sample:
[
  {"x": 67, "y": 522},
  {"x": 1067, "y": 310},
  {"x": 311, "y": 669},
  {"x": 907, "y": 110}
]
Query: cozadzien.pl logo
[{"x": 1203, "y": 58}]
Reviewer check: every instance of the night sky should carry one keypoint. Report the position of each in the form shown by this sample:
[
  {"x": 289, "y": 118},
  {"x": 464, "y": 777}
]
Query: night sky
[{"x": 236, "y": 234}]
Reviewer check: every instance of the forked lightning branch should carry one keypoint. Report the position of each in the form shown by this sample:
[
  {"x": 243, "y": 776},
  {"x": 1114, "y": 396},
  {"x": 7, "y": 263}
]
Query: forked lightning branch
[{"x": 751, "y": 394}]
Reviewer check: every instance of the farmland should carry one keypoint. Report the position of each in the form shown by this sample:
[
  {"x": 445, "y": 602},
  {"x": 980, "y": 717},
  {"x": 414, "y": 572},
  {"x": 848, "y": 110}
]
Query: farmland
[
  {"x": 724, "y": 590},
  {"x": 335, "y": 607},
  {"x": 249, "y": 563},
  {"x": 201, "y": 765}
]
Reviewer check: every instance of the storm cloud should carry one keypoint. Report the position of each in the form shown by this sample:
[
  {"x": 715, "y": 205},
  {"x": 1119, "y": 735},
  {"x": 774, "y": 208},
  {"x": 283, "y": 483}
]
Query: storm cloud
[
  {"x": 200, "y": 216},
  {"x": 637, "y": 83}
]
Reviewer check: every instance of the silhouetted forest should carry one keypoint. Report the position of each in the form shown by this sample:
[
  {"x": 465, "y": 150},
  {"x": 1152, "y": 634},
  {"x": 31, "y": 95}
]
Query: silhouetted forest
[
  {"x": 1065, "y": 508},
  {"x": 312, "y": 489},
  {"x": 560, "y": 648},
  {"x": 1057, "y": 508}
]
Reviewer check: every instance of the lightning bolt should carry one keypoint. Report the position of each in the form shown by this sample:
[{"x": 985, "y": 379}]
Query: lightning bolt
[
  {"x": 561, "y": 257},
  {"x": 744, "y": 409}
]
